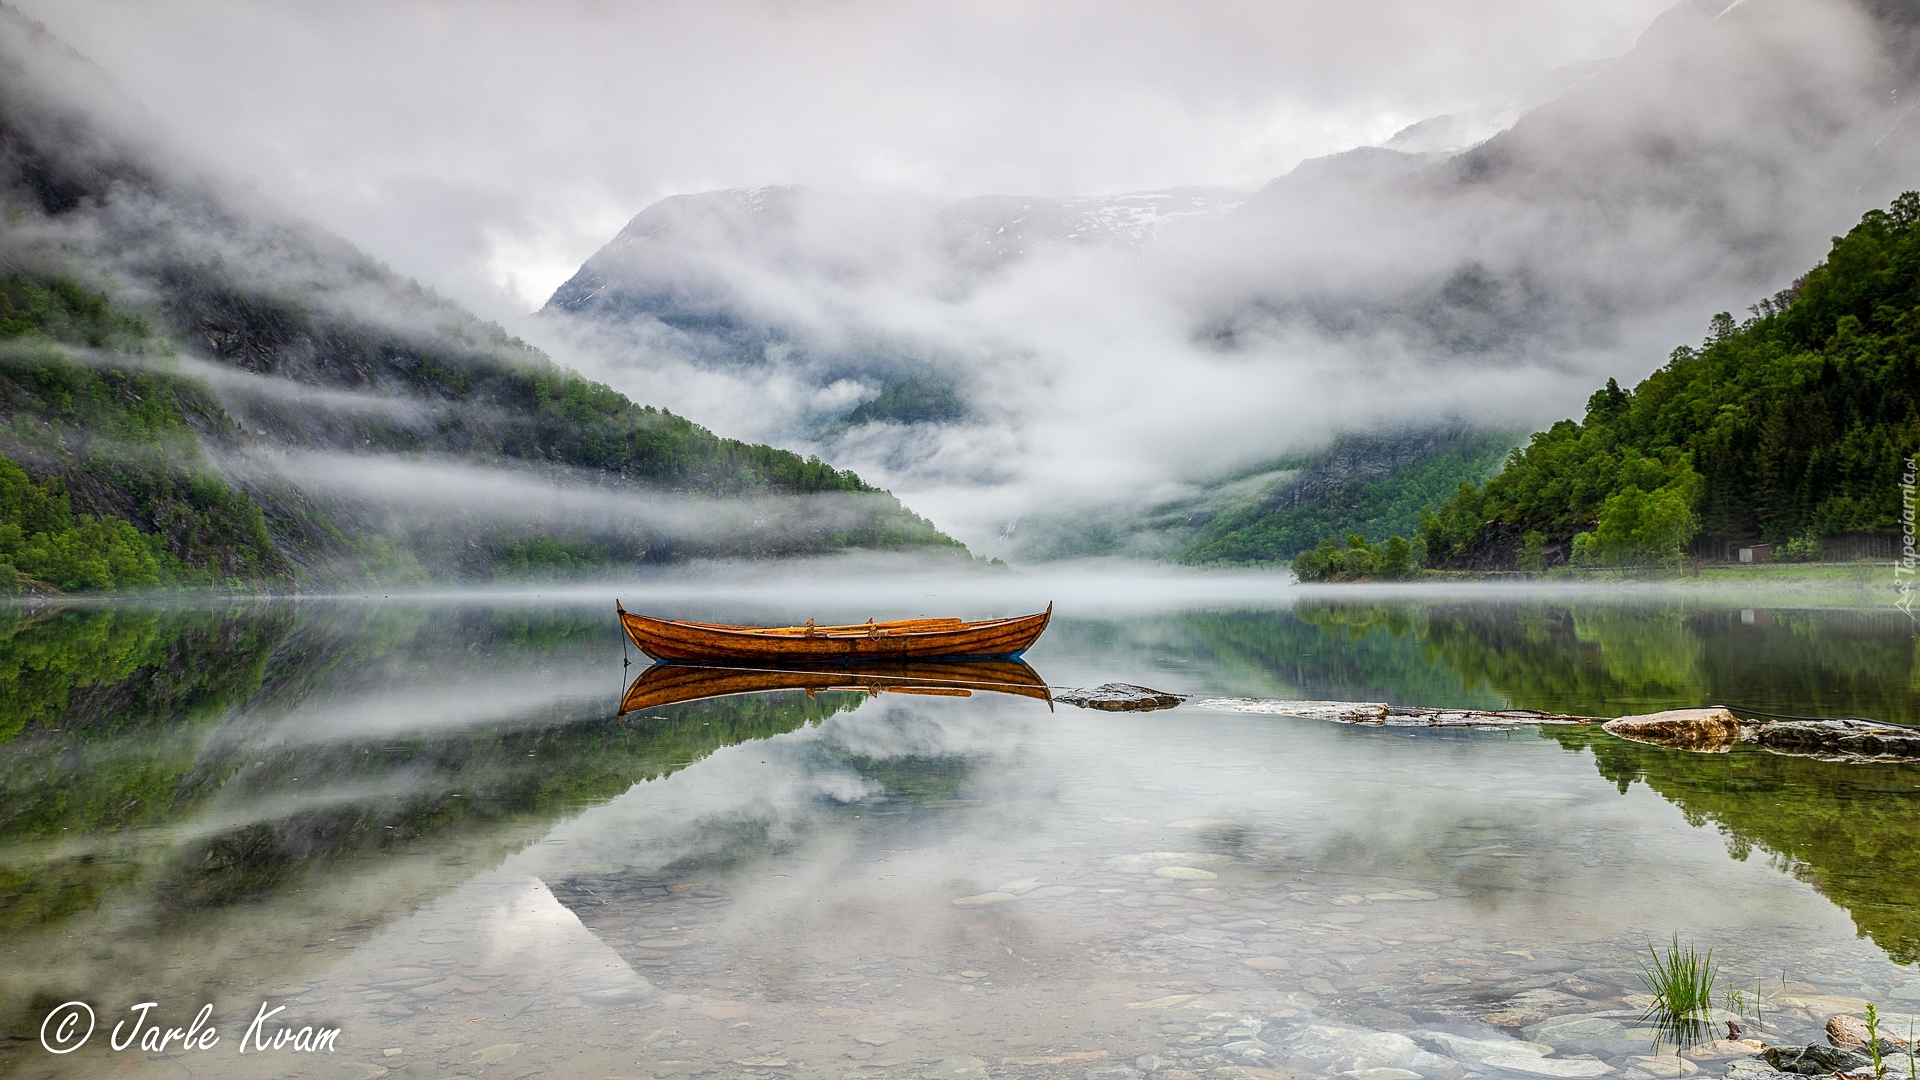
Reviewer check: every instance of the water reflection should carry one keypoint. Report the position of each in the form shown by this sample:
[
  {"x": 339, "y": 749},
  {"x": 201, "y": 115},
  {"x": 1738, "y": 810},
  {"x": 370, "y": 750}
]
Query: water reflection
[
  {"x": 1849, "y": 830},
  {"x": 404, "y": 817},
  {"x": 670, "y": 684},
  {"x": 1597, "y": 659}
]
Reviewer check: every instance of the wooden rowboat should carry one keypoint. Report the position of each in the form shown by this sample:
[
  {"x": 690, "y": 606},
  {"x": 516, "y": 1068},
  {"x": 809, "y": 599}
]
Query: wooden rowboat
[
  {"x": 674, "y": 684},
  {"x": 907, "y": 639}
]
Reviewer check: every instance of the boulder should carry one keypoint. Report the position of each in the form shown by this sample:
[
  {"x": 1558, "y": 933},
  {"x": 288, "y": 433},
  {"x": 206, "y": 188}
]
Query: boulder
[
  {"x": 1713, "y": 730},
  {"x": 1850, "y": 1033},
  {"x": 1813, "y": 1059},
  {"x": 1842, "y": 739},
  {"x": 1846, "y": 1032},
  {"x": 1120, "y": 697}
]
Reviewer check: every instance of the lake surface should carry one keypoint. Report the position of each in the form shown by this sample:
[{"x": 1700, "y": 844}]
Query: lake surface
[{"x": 421, "y": 823}]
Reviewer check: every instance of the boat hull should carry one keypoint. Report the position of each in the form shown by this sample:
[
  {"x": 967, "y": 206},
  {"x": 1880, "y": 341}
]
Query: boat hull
[{"x": 909, "y": 639}]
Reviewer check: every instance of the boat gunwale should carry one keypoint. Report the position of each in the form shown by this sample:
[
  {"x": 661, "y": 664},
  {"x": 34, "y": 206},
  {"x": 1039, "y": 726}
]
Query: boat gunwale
[{"x": 922, "y": 627}]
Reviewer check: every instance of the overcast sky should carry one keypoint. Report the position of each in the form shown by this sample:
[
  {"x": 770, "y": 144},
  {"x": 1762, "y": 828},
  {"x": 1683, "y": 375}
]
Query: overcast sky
[{"x": 488, "y": 148}]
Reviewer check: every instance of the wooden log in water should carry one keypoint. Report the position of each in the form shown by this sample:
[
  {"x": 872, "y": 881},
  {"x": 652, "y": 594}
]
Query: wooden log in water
[{"x": 1381, "y": 714}]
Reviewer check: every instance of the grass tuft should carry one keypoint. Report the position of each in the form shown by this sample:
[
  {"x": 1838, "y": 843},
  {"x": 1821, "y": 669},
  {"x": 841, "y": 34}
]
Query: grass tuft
[{"x": 1681, "y": 982}]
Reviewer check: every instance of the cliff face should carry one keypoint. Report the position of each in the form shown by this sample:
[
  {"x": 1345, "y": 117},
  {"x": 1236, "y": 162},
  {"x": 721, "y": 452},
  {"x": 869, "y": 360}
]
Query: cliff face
[{"x": 369, "y": 425}]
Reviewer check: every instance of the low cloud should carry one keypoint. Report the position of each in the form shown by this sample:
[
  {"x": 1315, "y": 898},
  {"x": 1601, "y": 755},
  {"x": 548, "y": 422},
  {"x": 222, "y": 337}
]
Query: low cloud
[{"x": 1702, "y": 172}]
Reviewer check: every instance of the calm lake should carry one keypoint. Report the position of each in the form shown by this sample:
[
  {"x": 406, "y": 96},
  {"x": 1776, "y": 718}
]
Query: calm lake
[{"x": 420, "y": 823}]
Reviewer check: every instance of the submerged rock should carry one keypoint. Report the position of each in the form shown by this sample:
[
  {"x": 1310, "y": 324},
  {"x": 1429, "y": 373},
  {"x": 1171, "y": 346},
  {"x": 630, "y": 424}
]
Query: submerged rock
[
  {"x": 1348, "y": 1049},
  {"x": 1752, "y": 1069},
  {"x": 1840, "y": 739},
  {"x": 1512, "y": 1055},
  {"x": 1658, "y": 1065},
  {"x": 1590, "y": 1033},
  {"x": 1477, "y": 1051},
  {"x": 985, "y": 899},
  {"x": 1533, "y": 1006},
  {"x": 1722, "y": 1049},
  {"x": 1120, "y": 697},
  {"x": 1713, "y": 730},
  {"x": 957, "y": 1068}
]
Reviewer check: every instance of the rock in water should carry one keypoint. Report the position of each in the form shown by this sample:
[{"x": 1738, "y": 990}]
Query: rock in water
[
  {"x": 1712, "y": 730},
  {"x": 1846, "y": 1032},
  {"x": 1813, "y": 1059},
  {"x": 1349, "y": 1049},
  {"x": 1120, "y": 697},
  {"x": 1850, "y": 1033},
  {"x": 1844, "y": 739},
  {"x": 957, "y": 1068}
]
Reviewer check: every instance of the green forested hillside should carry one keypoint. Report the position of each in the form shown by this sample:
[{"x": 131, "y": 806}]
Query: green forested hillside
[
  {"x": 119, "y": 434},
  {"x": 197, "y": 389},
  {"x": 1790, "y": 427},
  {"x": 106, "y": 483},
  {"x": 1274, "y": 528}
]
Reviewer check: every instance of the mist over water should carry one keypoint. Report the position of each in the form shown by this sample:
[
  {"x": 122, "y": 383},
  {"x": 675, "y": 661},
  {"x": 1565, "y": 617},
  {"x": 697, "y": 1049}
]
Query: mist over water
[
  {"x": 447, "y": 821},
  {"x": 417, "y": 819}
]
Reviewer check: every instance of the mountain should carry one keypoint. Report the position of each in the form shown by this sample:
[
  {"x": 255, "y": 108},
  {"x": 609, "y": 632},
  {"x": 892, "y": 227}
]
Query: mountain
[
  {"x": 992, "y": 232},
  {"x": 1491, "y": 266},
  {"x": 198, "y": 390},
  {"x": 1373, "y": 483},
  {"x": 1376, "y": 484},
  {"x": 768, "y": 284},
  {"x": 1793, "y": 427}
]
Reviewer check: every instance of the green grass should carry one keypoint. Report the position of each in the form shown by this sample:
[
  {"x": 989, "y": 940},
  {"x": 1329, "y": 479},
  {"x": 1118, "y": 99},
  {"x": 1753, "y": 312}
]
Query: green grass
[
  {"x": 1873, "y": 1039},
  {"x": 1681, "y": 983}
]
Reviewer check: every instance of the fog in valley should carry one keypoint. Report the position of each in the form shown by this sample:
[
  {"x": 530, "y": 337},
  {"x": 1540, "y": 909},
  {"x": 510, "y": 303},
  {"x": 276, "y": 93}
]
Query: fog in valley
[{"x": 1346, "y": 219}]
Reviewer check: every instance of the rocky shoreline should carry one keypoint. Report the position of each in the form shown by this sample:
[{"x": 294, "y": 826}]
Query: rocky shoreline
[
  {"x": 1712, "y": 730},
  {"x": 1717, "y": 730}
]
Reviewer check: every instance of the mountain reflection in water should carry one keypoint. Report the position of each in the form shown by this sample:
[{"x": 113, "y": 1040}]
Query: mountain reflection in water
[{"x": 223, "y": 801}]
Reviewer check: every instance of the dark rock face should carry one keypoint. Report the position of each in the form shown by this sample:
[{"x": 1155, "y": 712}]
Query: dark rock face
[
  {"x": 1840, "y": 738},
  {"x": 1813, "y": 1059},
  {"x": 1120, "y": 697}
]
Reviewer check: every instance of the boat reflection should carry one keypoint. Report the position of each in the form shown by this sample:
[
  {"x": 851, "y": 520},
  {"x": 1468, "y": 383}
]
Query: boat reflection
[{"x": 672, "y": 684}]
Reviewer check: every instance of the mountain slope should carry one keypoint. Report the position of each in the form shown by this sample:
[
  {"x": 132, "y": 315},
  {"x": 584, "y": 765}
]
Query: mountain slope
[
  {"x": 263, "y": 380},
  {"x": 1371, "y": 291},
  {"x": 1795, "y": 425},
  {"x": 1374, "y": 485}
]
